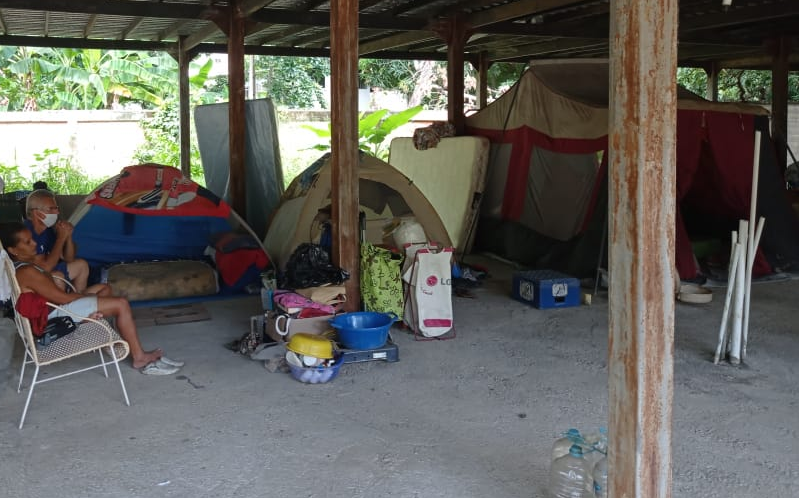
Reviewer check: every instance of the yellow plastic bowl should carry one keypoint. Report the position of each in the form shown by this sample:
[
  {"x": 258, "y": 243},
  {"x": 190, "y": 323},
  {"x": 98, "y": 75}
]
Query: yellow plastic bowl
[{"x": 311, "y": 345}]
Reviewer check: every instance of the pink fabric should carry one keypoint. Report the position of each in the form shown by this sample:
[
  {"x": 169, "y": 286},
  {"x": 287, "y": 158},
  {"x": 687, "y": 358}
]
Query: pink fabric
[{"x": 290, "y": 301}]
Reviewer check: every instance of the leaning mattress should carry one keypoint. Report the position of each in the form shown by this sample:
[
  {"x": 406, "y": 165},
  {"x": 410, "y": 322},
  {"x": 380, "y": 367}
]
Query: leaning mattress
[{"x": 154, "y": 280}]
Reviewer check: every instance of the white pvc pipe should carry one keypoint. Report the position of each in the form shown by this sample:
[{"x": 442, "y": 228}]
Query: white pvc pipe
[
  {"x": 734, "y": 256},
  {"x": 751, "y": 247},
  {"x": 757, "y": 235},
  {"x": 740, "y": 289}
]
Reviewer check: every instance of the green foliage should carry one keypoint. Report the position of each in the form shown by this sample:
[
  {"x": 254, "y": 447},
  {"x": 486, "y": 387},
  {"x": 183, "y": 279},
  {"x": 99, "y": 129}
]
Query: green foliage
[
  {"x": 736, "y": 85},
  {"x": 373, "y": 129},
  {"x": 292, "y": 81},
  {"x": 47, "y": 78},
  {"x": 387, "y": 74},
  {"x": 57, "y": 170},
  {"x": 61, "y": 175},
  {"x": 14, "y": 180},
  {"x": 162, "y": 141}
]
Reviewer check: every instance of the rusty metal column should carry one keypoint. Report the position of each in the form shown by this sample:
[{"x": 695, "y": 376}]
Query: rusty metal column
[
  {"x": 780, "y": 48},
  {"x": 184, "y": 108},
  {"x": 236, "y": 122},
  {"x": 344, "y": 146},
  {"x": 642, "y": 143}
]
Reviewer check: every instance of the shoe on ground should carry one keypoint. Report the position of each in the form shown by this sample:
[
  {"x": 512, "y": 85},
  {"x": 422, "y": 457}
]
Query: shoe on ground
[
  {"x": 158, "y": 367},
  {"x": 171, "y": 362}
]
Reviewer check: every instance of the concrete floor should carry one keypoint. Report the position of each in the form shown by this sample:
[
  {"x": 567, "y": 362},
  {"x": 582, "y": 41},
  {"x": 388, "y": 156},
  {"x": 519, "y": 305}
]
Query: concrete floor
[{"x": 470, "y": 417}]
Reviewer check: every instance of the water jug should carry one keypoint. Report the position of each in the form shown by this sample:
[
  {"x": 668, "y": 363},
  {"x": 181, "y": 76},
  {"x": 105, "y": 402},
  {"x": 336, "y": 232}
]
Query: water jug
[
  {"x": 600, "y": 475},
  {"x": 565, "y": 442},
  {"x": 569, "y": 476}
]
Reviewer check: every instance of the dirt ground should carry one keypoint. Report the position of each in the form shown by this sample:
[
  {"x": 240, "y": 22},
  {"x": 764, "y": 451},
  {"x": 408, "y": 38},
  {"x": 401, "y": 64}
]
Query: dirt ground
[{"x": 470, "y": 417}]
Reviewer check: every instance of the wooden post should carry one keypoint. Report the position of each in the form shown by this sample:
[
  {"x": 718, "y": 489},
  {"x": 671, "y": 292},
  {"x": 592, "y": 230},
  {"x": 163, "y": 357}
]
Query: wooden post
[
  {"x": 236, "y": 119},
  {"x": 642, "y": 143},
  {"x": 780, "y": 48},
  {"x": 483, "y": 64},
  {"x": 344, "y": 146},
  {"x": 712, "y": 71},
  {"x": 454, "y": 32},
  {"x": 184, "y": 110}
]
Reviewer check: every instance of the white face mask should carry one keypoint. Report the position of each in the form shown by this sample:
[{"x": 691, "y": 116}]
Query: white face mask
[{"x": 50, "y": 219}]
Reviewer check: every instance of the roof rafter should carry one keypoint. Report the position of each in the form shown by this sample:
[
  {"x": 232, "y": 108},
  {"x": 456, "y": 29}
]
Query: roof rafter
[
  {"x": 124, "y": 8},
  {"x": 87, "y": 30}
]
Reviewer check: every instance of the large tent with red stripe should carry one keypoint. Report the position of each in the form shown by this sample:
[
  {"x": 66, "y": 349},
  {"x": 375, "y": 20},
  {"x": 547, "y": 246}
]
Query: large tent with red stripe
[{"x": 545, "y": 199}]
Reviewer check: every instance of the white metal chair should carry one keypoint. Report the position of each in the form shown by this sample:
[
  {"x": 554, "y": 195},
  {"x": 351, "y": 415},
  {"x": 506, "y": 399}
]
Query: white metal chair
[{"x": 91, "y": 335}]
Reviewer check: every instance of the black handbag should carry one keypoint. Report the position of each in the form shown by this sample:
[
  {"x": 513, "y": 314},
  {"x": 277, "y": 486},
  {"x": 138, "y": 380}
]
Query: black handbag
[{"x": 56, "y": 328}]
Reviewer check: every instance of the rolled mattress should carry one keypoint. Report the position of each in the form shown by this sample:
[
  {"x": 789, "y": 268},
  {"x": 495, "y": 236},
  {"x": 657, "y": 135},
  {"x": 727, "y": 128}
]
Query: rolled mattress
[{"x": 162, "y": 280}]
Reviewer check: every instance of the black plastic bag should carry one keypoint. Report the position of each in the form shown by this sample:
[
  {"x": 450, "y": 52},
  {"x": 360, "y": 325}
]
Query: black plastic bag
[
  {"x": 56, "y": 328},
  {"x": 310, "y": 266}
]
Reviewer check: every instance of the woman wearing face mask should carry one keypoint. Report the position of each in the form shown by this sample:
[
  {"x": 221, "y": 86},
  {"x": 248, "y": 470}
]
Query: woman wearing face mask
[{"x": 53, "y": 239}]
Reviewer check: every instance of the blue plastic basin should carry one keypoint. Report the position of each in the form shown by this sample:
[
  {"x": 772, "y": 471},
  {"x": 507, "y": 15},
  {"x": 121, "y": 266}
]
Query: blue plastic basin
[{"x": 363, "y": 329}]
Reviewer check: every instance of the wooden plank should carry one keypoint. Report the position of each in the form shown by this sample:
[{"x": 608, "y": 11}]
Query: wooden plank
[
  {"x": 344, "y": 146},
  {"x": 184, "y": 108},
  {"x": 515, "y": 10},
  {"x": 482, "y": 80},
  {"x": 780, "y": 48},
  {"x": 455, "y": 34},
  {"x": 236, "y": 121},
  {"x": 642, "y": 167}
]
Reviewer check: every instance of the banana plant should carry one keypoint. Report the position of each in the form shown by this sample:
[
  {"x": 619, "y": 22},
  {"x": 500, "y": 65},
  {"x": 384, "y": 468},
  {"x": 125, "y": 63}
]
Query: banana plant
[{"x": 373, "y": 130}]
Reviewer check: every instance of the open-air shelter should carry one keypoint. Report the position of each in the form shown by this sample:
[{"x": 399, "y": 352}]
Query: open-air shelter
[{"x": 645, "y": 41}]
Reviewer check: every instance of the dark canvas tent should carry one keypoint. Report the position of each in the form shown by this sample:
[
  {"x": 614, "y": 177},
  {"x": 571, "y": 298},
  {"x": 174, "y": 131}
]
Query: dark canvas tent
[{"x": 545, "y": 199}]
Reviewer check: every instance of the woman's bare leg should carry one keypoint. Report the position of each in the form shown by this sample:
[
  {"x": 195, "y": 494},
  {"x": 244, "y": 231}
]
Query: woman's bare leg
[{"x": 120, "y": 308}]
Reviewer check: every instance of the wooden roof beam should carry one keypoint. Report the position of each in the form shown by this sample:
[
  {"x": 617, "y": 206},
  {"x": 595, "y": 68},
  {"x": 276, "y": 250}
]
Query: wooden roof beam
[
  {"x": 515, "y": 10},
  {"x": 172, "y": 30},
  {"x": 748, "y": 14},
  {"x": 217, "y": 48},
  {"x": 125, "y": 8},
  {"x": 394, "y": 41},
  {"x": 506, "y": 12},
  {"x": 56, "y": 42},
  {"x": 131, "y": 27},
  {"x": 546, "y": 48},
  {"x": 87, "y": 31},
  {"x": 762, "y": 62}
]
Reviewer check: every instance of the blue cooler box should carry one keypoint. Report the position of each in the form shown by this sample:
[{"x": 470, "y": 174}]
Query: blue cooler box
[{"x": 546, "y": 289}]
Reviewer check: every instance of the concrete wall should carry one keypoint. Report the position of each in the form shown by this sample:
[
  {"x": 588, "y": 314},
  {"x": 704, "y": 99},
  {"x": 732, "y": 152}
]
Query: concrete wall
[{"x": 100, "y": 142}]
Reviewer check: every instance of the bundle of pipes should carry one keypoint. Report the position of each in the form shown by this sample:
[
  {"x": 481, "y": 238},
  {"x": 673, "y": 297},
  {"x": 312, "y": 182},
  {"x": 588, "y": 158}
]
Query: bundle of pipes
[{"x": 734, "y": 333}]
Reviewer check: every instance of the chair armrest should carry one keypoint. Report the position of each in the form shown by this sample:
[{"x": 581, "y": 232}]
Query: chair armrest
[{"x": 66, "y": 282}]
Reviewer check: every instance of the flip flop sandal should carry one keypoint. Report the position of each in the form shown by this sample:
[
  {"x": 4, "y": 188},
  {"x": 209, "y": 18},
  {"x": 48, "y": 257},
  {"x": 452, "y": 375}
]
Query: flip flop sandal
[
  {"x": 158, "y": 368},
  {"x": 171, "y": 362}
]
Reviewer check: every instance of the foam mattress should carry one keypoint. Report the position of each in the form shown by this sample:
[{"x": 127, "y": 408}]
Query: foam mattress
[{"x": 162, "y": 280}]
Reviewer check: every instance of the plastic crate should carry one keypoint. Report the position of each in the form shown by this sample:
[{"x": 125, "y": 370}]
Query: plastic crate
[{"x": 546, "y": 289}]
